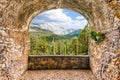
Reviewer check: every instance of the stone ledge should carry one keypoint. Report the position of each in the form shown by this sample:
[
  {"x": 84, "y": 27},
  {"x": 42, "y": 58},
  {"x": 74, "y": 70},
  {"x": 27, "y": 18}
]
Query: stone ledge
[
  {"x": 36, "y": 62},
  {"x": 58, "y": 75}
]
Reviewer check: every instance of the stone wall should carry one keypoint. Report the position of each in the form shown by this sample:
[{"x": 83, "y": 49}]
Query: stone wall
[
  {"x": 102, "y": 15},
  {"x": 58, "y": 62}
]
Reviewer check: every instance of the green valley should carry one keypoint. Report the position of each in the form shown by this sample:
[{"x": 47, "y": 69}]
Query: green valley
[{"x": 45, "y": 42}]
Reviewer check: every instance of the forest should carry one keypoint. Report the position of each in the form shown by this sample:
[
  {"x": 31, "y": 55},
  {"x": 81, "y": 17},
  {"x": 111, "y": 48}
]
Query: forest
[{"x": 46, "y": 43}]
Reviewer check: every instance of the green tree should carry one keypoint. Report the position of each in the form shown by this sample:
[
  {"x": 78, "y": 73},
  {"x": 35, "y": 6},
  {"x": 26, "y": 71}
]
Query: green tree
[
  {"x": 42, "y": 45},
  {"x": 32, "y": 45},
  {"x": 83, "y": 41}
]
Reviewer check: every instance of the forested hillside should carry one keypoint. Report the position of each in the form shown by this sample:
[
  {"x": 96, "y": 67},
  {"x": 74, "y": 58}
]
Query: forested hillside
[{"x": 44, "y": 42}]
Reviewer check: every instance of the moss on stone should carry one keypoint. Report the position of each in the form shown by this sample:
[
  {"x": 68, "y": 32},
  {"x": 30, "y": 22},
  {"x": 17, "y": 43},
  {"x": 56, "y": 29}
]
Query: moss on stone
[
  {"x": 111, "y": 3},
  {"x": 117, "y": 14},
  {"x": 115, "y": 6},
  {"x": 97, "y": 36}
]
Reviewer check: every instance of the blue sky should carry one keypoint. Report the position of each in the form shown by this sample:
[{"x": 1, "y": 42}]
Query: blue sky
[{"x": 61, "y": 18}]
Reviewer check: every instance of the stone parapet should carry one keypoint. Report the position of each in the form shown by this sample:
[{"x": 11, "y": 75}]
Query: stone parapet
[{"x": 58, "y": 62}]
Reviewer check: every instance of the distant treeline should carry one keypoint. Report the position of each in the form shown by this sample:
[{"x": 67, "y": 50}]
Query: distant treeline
[{"x": 59, "y": 45}]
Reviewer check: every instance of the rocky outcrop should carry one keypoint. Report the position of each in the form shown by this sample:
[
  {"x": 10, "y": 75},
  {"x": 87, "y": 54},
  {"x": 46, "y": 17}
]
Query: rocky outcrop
[{"x": 102, "y": 15}]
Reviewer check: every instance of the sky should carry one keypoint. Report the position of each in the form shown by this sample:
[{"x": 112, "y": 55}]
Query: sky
[{"x": 61, "y": 18}]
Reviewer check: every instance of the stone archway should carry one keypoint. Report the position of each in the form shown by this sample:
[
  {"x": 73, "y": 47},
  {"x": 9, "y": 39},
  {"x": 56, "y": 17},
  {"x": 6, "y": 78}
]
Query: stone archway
[{"x": 102, "y": 15}]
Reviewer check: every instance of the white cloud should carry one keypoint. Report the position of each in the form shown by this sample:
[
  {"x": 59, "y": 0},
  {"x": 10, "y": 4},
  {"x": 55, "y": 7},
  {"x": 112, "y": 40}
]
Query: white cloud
[
  {"x": 38, "y": 21},
  {"x": 80, "y": 17},
  {"x": 75, "y": 24},
  {"x": 57, "y": 14},
  {"x": 60, "y": 19}
]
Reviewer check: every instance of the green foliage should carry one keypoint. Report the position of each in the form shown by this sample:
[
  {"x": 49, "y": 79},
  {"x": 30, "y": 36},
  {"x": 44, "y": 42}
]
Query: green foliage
[
  {"x": 51, "y": 44},
  {"x": 83, "y": 41},
  {"x": 75, "y": 33},
  {"x": 97, "y": 36},
  {"x": 93, "y": 35}
]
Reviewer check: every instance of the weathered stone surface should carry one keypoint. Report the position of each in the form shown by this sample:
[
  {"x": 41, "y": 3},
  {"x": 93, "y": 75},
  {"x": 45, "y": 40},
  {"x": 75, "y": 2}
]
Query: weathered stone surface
[
  {"x": 58, "y": 75},
  {"x": 58, "y": 62},
  {"x": 102, "y": 15}
]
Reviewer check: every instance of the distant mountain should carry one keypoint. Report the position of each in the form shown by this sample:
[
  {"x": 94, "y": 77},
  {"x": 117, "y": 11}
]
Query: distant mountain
[
  {"x": 56, "y": 29},
  {"x": 37, "y": 29},
  {"x": 44, "y": 32},
  {"x": 73, "y": 34},
  {"x": 37, "y": 33}
]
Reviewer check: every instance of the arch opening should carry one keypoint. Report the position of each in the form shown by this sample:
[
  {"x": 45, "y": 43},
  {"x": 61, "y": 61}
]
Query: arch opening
[
  {"x": 58, "y": 37},
  {"x": 81, "y": 9},
  {"x": 59, "y": 32}
]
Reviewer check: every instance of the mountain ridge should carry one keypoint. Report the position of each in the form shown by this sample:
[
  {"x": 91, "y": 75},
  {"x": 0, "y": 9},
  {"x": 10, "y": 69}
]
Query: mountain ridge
[
  {"x": 45, "y": 32},
  {"x": 54, "y": 28}
]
